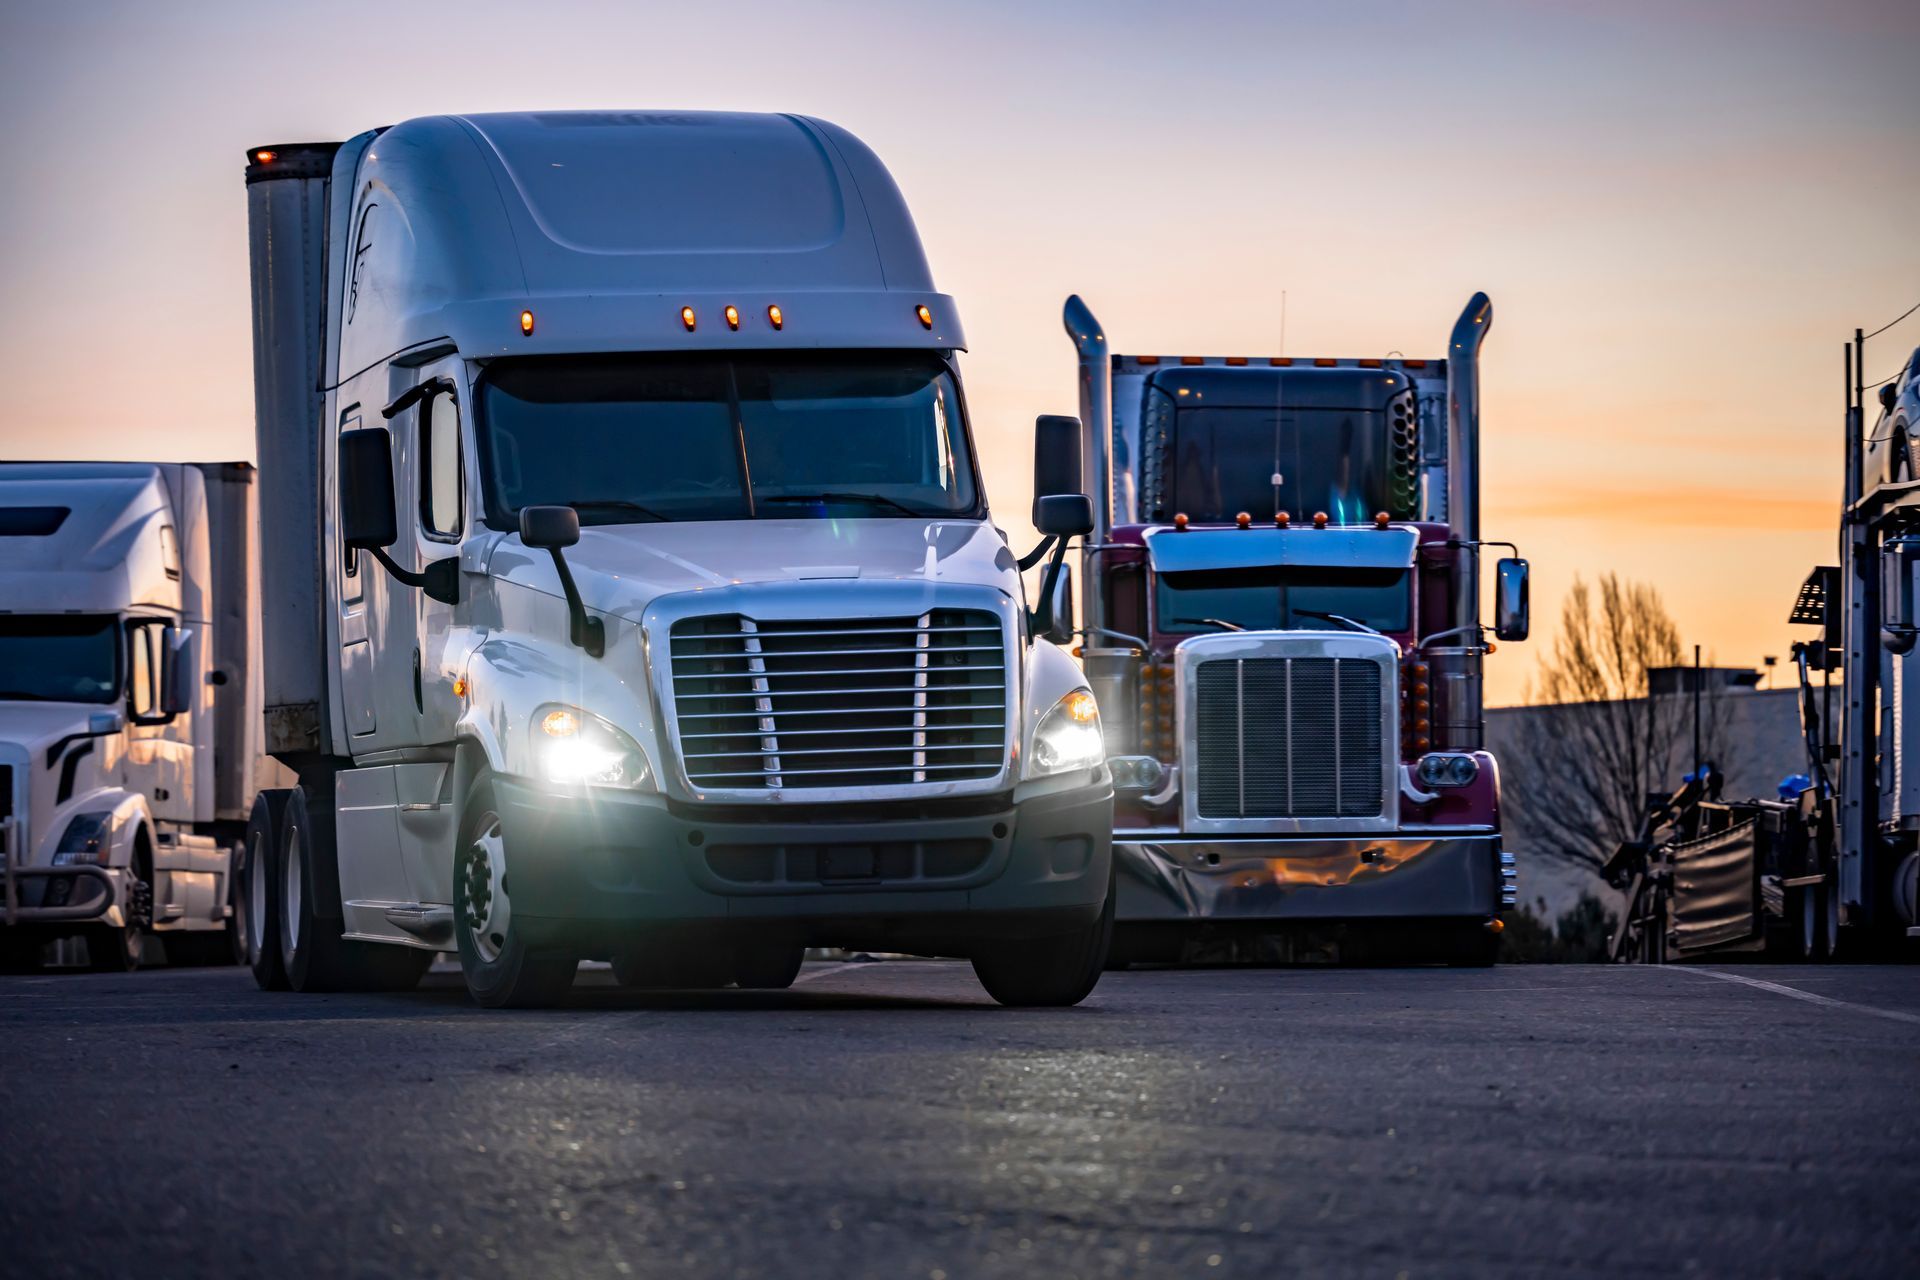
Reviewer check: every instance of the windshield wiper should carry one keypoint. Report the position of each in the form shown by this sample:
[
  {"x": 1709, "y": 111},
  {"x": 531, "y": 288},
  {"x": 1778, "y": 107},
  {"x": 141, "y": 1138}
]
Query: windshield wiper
[
  {"x": 1343, "y": 620},
  {"x": 1222, "y": 623},
  {"x": 617, "y": 504},
  {"x": 871, "y": 499}
]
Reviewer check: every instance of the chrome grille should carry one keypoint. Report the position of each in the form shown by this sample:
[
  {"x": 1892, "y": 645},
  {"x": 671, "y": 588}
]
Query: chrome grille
[
  {"x": 1289, "y": 738},
  {"x": 859, "y": 702}
]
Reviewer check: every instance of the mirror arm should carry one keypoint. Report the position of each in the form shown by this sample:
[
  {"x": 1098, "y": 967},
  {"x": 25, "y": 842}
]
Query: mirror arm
[
  {"x": 440, "y": 579},
  {"x": 1034, "y": 556},
  {"x": 588, "y": 632},
  {"x": 415, "y": 394},
  {"x": 1040, "y": 621}
]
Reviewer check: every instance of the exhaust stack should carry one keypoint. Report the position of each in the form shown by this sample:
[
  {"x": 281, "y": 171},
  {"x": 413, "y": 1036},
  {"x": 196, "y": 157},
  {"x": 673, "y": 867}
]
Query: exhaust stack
[{"x": 1096, "y": 425}]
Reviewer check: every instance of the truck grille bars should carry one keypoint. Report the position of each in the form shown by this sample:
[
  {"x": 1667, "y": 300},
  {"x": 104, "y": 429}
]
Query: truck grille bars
[
  {"x": 856, "y": 702},
  {"x": 1289, "y": 738}
]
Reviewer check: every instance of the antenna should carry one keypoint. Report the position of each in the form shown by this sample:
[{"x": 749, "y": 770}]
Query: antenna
[{"x": 1283, "y": 322}]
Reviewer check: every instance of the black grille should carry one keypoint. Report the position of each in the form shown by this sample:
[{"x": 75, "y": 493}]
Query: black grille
[
  {"x": 862, "y": 702},
  {"x": 883, "y": 862},
  {"x": 1289, "y": 738}
]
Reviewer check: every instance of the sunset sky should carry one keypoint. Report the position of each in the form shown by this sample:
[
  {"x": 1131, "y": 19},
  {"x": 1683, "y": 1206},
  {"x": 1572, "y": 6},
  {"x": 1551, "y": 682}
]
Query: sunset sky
[{"x": 1680, "y": 211}]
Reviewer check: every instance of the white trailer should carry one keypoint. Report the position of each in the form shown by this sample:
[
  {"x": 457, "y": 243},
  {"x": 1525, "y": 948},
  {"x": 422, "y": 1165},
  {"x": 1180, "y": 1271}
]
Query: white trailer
[
  {"x": 129, "y": 700},
  {"x": 634, "y": 592}
]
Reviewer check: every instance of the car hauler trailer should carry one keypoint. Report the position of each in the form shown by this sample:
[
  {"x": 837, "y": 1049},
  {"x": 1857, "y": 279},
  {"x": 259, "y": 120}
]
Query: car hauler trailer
[
  {"x": 129, "y": 733},
  {"x": 1832, "y": 866},
  {"x": 1283, "y": 631},
  {"x": 634, "y": 591}
]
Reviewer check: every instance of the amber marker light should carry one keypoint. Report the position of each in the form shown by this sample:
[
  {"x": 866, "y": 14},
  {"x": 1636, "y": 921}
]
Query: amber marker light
[
  {"x": 265, "y": 157},
  {"x": 926, "y": 316},
  {"x": 774, "y": 317},
  {"x": 1244, "y": 520},
  {"x": 526, "y": 324},
  {"x": 1180, "y": 522},
  {"x": 686, "y": 318},
  {"x": 560, "y": 724},
  {"x": 1281, "y": 519},
  {"x": 459, "y": 686},
  {"x": 1381, "y": 520},
  {"x": 1081, "y": 708},
  {"x": 1319, "y": 519},
  {"x": 733, "y": 317}
]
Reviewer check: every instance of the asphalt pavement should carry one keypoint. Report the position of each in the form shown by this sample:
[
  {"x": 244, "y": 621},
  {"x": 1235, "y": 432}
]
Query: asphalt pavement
[{"x": 885, "y": 1119}]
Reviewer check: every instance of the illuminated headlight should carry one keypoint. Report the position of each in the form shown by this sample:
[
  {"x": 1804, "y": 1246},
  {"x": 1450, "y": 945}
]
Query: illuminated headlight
[
  {"x": 84, "y": 841},
  {"x": 1440, "y": 769},
  {"x": 1068, "y": 737},
  {"x": 572, "y": 748}
]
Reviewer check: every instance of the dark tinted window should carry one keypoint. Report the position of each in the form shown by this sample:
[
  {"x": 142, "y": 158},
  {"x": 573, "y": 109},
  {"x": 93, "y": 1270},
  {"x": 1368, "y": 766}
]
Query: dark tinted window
[
  {"x": 1283, "y": 599},
  {"x": 31, "y": 522},
  {"x": 707, "y": 437},
  {"x": 1333, "y": 460},
  {"x": 60, "y": 658}
]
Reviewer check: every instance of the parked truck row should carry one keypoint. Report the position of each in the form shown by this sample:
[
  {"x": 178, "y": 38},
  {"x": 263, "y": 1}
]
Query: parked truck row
[{"x": 634, "y": 596}]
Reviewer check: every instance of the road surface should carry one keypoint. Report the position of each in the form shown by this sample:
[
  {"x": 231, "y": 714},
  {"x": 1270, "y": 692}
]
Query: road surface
[{"x": 883, "y": 1119}]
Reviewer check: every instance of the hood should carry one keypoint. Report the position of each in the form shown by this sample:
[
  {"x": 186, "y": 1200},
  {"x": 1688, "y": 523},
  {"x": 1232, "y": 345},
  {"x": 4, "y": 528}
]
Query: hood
[
  {"x": 38, "y": 725},
  {"x": 622, "y": 568}
]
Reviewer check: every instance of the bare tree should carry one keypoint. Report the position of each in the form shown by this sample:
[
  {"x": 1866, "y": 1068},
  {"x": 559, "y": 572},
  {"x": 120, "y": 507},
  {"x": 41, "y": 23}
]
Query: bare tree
[{"x": 1587, "y": 760}]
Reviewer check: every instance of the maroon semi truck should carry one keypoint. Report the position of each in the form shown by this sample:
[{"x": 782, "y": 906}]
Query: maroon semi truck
[{"x": 1282, "y": 626}]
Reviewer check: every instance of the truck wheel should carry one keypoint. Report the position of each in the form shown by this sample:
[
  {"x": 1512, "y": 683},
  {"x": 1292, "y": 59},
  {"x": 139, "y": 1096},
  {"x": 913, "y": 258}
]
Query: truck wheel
[
  {"x": 770, "y": 967},
  {"x": 312, "y": 952},
  {"x": 1048, "y": 972},
  {"x": 116, "y": 949},
  {"x": 256, "y": 914},
  {"x": 501, "y": 970}
]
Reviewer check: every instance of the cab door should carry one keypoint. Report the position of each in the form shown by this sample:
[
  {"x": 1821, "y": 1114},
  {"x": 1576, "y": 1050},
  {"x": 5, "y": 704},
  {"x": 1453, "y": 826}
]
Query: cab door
[{"x": 437, "y": 475}]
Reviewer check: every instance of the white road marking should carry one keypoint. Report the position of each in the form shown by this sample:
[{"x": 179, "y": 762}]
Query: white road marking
[
  {"x": 1797, "y": 994},
  {"x": 831, "y": 969}
]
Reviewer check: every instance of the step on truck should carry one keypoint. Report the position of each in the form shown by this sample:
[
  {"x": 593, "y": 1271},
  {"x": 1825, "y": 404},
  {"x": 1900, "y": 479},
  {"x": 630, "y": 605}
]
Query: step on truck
[
  {"x": 129, "y": 733},
  {"x": 634, "y": 594},
  {"x": 1283, "y": 632}
]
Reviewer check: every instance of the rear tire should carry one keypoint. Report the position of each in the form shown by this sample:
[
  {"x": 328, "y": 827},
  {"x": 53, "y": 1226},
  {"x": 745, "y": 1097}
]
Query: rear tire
[
  {"x": 312, "y": 951},
  {"x": 769, "y": 967},
  {"x": 501, "y": 970},
  {"x": 257, "y": 917},
  {"x": 1048, "y": 973}
]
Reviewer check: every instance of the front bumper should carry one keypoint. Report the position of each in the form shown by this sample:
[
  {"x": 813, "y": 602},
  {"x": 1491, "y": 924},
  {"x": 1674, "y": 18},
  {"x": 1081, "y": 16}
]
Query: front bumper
[
  {"x": 593, "y": 872},
  {"x": 1207, "y": 878},
  {"x": 58, "y": 895}
]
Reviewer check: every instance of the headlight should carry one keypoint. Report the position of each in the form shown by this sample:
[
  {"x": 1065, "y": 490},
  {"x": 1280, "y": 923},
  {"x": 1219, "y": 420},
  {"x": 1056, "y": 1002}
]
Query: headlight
[
  {"x": 1439, "y": 769},
  {"x": 1068, "y": 737},
  {"x": 572, "y": 748},
  {"x": 85, "y": 840}
]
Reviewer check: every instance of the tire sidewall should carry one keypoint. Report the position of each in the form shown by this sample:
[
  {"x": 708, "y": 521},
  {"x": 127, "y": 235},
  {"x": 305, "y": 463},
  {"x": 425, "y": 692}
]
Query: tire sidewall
[
  {"x": 497, "y": 982},
  {"x": 259, "y": 866}
]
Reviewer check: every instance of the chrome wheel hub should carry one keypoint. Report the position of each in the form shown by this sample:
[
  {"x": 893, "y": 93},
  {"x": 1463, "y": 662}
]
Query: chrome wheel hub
[{"x": 484, "y": 907}]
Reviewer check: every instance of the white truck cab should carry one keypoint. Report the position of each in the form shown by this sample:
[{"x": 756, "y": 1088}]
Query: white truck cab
[
  {"x": 632, "y": 588},
  {"x": 126, "y": 750}
]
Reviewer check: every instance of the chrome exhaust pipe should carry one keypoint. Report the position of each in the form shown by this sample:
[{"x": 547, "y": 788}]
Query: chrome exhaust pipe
[{"x": 1096, "y": 434}]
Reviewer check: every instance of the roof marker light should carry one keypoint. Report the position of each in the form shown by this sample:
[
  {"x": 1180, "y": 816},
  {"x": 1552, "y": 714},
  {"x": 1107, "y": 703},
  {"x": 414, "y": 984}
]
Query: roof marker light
[
  {"x": 526, "y": 324},
  {"x": 1244, "y": 520},
  {"x": 1193, "y": 360},
  {"x": 1236, "y": 361},
  {"x": 1280, "y": 362},
  {"x": 1369, "y": 364},
  {"x": 1281, "y": 519},
  {"x": 686, "y": 318},
  {"x": 926, "y": 316},
  {"x": 774, "y": 317},
  {"x": 1146, "y": 359},
  {"x": 1319, "y": 519},
  {"x": 1381, "y": 520},
  {"x": 733, "y": 317},
  {"x": 265, "y": 157},
  {"x": 1325, "y": 362},
  {"x": 1180, "y": 522}
]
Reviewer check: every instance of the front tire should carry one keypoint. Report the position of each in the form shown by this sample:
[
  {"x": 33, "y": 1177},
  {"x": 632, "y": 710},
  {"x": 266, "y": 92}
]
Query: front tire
[
  {"x": 501, "y": 970},
  {"x": 771, "y": 967},
  {"x": 1048, "y": 973}
]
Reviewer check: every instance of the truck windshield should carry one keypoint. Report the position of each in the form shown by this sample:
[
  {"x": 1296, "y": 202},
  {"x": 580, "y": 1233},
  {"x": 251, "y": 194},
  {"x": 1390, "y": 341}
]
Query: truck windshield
[
  {"x": 59, "y": 658},
  {"x": 726, "y": 437},
  {"x": 1282, "y": 599},
  {"x": 1331, "y": 460}
]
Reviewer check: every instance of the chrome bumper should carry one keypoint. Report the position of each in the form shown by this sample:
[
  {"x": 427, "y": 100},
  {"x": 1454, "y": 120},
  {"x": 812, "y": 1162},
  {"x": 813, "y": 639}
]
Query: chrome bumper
[
  {"x": 1206, "y": 878},
  {"x": 25, "y": 889}
]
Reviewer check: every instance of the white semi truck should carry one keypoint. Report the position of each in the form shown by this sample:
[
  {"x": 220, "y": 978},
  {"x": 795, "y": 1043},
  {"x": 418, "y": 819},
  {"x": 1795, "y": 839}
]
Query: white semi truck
[
  {"x": 633, "y": 592},
  {"x": 128, "y": 749}
]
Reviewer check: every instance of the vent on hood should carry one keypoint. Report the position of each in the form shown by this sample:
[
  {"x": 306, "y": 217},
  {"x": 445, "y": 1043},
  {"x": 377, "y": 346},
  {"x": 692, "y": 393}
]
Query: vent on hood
[{"x": 31, "y": 522}]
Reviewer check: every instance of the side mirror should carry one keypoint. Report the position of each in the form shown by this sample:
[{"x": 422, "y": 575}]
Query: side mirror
[
  {"x": 367, "y": 519},
  {"x": 1057, "y": 464},
  {"x": 1510, "y": 606},
  {"x": 1899, "y": 564},
  {"x": 177, "y": 668},
  {"x": 1063, "y": 515},
  {"x": 1059, "y": 606},
  {"x": 549, "y": 527},
  {"x": 1888, "y": 394}
]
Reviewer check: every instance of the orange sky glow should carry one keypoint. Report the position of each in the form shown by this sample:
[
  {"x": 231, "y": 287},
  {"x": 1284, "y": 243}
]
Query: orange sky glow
[{"x": 1680, "y": 211}]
